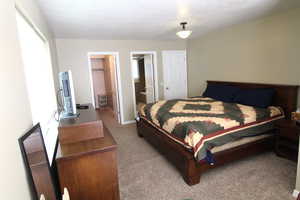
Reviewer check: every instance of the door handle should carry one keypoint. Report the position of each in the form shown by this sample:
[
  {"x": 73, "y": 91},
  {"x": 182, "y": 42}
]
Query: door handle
[{"x": 167, "y": 88}]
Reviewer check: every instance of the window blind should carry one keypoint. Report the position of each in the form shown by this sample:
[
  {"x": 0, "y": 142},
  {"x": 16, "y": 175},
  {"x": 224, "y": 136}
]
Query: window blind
[{"x": 39, "y": 80}]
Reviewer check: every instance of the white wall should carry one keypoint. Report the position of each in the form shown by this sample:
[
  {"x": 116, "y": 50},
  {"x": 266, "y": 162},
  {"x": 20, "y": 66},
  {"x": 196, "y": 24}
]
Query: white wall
[
  {"x": 15, "y": 116},
  {"x": 72, "y": 54},
  {"x": 266, "y": 50}
]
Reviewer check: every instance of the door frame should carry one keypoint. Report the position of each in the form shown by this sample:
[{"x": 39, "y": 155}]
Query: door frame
[
  {"x": 117, "y": 81},
  {"x": 164, "y": 74},
  {"x": 155, "y": 76}
]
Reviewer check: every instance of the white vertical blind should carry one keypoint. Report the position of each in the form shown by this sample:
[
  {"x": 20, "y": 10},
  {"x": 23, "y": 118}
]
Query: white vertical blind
[{"x": 39, "y": 80}]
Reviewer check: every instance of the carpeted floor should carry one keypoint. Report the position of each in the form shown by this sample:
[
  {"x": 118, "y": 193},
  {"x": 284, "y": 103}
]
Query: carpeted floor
[{"x": 145, "y": 175}]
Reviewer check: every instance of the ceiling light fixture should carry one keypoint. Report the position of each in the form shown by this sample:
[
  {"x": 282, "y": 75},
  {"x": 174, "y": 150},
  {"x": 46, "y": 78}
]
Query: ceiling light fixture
[{"x": 183, "y": 33}]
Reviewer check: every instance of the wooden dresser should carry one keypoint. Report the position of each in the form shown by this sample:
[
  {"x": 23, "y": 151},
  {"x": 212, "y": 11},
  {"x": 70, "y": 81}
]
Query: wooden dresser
[{"x": 87, "y": 167}]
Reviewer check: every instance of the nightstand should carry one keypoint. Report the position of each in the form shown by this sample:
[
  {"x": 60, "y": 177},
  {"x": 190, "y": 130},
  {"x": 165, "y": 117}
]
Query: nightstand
[{"x": 287, "y": 139}]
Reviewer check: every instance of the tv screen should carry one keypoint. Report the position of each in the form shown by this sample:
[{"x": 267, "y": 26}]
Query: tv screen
[{"x": 68, "y": 97}]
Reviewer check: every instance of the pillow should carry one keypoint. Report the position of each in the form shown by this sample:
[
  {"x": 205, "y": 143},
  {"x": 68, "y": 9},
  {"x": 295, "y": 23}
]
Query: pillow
[
  {"x": 261, "y": 97},
  {"x": 224, "y": 93}
]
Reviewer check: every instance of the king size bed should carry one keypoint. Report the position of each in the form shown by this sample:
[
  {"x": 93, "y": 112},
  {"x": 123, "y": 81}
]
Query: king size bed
[{"x": 200, "y": 133}]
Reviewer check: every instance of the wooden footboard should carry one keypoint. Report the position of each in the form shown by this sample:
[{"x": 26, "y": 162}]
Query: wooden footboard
[{"x": 184, "y": 160}]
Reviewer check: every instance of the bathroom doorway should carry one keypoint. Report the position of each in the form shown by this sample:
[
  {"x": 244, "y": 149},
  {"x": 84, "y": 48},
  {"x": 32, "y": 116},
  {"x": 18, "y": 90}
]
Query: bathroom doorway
[{"x": 144, "y": 78}]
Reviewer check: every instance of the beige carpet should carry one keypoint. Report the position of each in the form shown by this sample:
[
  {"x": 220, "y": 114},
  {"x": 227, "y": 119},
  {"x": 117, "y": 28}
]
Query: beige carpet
[{"x": 145, "y": 174}]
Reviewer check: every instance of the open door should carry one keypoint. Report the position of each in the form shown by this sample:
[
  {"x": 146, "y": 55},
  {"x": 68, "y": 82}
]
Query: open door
[
  {"x": 116, "y": 108},
  {"x": 149, "y": 78}
]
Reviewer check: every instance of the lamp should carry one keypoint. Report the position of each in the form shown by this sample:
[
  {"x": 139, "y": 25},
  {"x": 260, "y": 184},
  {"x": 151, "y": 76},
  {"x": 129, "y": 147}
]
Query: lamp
[{"x": 183, "y": 33}]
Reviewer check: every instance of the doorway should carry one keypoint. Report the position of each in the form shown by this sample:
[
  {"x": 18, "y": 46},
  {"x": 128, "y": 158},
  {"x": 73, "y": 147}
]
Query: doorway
[
  {"x": 144, "y": 78},
  {"x": 105, "y": 83}
]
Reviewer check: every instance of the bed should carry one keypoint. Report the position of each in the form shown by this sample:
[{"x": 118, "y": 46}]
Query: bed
[{"x": 191, "y": 164}]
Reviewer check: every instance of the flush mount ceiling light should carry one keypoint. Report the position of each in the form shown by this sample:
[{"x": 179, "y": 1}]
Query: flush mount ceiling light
[{"x": 183, "y": 33}]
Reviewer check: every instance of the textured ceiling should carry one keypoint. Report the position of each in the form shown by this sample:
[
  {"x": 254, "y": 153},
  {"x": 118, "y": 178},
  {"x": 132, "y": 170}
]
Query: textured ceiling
[{"x": 151, "y": 19}]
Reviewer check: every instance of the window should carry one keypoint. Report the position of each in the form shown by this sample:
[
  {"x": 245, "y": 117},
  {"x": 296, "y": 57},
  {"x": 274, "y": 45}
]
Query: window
[
  {"x": 39, "y": 79},
  {"x": 135, "y": 69}
]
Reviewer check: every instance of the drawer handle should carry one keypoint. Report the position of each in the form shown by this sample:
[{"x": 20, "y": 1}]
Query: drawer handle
[
  {"x": 66, "y": 195},
  {"x": 42, "y": 197}
]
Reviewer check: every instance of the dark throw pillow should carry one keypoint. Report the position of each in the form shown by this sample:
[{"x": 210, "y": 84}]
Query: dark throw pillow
[
  {"x": 261, "y": 97},
  {"x": 224, "y": 93}
]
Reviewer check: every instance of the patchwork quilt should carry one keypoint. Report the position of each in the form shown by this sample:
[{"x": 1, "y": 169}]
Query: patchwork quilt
[{"x": 202, "y": 123}]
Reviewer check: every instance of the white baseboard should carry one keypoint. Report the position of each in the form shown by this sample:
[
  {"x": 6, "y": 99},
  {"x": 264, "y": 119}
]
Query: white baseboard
[
  {"x": 295, "y": 193},
  {"x": 128, "y": 122}
]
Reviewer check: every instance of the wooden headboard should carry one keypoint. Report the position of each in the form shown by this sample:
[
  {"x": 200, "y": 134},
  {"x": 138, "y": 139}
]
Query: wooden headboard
[{"x": 285, "y": 97}]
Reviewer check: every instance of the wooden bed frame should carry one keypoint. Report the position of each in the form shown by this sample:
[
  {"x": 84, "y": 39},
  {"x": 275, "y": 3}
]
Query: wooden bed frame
[{"x": 184, "y": 161}]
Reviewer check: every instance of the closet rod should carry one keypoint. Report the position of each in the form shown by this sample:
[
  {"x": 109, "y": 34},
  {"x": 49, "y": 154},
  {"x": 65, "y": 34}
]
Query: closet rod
[{"x": 97, "y": 69}]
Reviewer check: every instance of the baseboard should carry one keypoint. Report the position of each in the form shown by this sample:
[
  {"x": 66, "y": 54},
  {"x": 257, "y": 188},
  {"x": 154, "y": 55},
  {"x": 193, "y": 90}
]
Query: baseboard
[
  {"x": 295, "y": 193},
  {"x": 128, "y": 122}
]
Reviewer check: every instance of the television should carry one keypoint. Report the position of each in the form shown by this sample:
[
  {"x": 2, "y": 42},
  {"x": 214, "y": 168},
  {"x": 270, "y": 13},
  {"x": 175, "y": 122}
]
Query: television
[{"x": 67, "y": 95}]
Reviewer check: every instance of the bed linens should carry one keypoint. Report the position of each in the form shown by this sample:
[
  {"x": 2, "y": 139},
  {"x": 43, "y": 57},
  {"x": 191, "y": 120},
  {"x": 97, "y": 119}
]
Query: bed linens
[{"x": 202, "y": 123}]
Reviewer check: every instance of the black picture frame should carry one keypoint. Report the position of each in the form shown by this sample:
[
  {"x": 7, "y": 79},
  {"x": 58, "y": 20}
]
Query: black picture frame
[{"x": 33, "y": 189}]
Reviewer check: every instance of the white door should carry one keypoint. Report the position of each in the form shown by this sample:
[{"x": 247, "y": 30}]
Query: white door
[
  {"x": 114, "y": 83},
  {"x": 149, "y": 78},
  {"x": 175, "y": 74}
]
